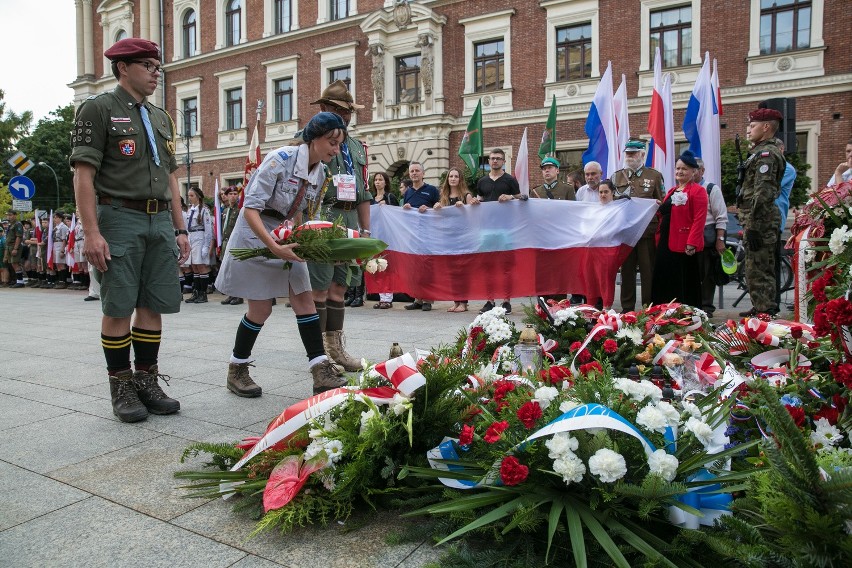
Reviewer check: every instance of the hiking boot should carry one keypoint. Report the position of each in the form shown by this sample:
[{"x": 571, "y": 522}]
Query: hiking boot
[
  {"x": 325, "y": 378},
  {"x": 333, "y": 342},
  {"x": 201, "y": 298},
  {"x": 125, "y": 402},
  {"x": 191, "y": 299},
  {"x": 60, "y": 286},
  {"x": 152, "y": 396},
  {"x": 239, "y": 381}
]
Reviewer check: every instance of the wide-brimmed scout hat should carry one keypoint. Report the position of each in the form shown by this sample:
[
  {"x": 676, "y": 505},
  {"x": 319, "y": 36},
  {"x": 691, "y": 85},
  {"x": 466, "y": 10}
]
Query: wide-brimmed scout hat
[
  {"x": 337, "y": 94},
  {"x": 729, "y": 262}
]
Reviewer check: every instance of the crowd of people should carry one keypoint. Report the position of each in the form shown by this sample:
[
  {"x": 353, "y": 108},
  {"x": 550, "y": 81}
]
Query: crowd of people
[{"x": 132, "y": 226}]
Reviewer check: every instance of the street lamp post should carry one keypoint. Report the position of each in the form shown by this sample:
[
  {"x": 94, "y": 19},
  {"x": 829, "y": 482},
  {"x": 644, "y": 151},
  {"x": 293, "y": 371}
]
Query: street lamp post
[
  {"x": 56, "y": 179},
  {"x": 187, "y": 138}
]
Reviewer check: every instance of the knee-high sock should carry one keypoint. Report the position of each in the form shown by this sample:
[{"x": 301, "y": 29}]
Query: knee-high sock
[
  {"x": 116, "y": 352},
  {"x": 309, "y": 330},
  {"x": 336, "y": 311},
  {"x": 146, "y": 347},
  {"x": 247, "y": 333},
  {"x": 322, "y": 312}
]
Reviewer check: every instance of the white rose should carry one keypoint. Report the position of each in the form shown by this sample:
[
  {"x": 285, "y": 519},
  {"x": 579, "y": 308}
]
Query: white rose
[
  {"x": 372, "y": 266},
  {"x": 608, "y": 465},
  {"x": 382, "y": 263},
  {"x": 663, "y": 464}
]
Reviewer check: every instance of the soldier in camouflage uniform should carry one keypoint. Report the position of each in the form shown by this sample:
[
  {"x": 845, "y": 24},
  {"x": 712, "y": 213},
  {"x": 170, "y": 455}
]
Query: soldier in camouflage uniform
[
  {"x": 758, "y": 214},
  {"x": 348, "y": 198}
]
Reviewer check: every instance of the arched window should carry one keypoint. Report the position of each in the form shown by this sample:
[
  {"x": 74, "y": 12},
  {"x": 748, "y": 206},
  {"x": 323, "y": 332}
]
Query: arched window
[
  {"x": 233, "y": 13},
  {"x": 189, "y": 34},
  {"x": 120, "y": 35}
]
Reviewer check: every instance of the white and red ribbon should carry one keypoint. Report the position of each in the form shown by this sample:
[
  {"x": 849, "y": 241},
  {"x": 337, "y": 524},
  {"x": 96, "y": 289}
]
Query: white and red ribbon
[
  {"x": 707, "y": 369},
  {"x": 607, "y": 321}
]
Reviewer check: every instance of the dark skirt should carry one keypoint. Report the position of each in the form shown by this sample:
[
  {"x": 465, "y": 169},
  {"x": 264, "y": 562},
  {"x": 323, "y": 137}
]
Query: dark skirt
[{"x": 677, "y": 276}]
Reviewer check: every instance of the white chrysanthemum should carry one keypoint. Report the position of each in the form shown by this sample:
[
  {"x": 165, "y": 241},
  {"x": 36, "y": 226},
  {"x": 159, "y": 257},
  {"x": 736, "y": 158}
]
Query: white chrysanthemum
[
  {"x": 561, "y": 444},
  {"x": 670, "y": 412},
  {"x": 691, "y": 409},
  {"x": 567, "y": 405},
  {"x": 568, "y": 314},
  {"x": 570, "y": 467},
  {"x": 607, "y": 465},
  {"x": 314, "y": 448},
  {"x": 663, "y": 464},
  {"x": 703, "y": 432},
  {"x": 837, "y": 242},
  {"x": 400, "y": 404},
  {"x": 334, "y": 450},
  {"x": 327, "y": 480},
  {"x": 634, "y": 334},
  {"x": 545, "y": 395},
  {"x": 497, "y": 312},
  {"x": 366, "y": 416},
  {"x": 651, "y": 418},
  {"x": 825, "y": 436}
]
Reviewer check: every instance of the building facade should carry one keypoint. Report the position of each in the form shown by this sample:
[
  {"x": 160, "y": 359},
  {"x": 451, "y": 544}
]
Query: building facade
[{"x": 420, "y": 67}]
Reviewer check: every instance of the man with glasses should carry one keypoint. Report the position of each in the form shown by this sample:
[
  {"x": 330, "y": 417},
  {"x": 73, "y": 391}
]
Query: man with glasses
[
  {"x": 496, "y": 186},
  {"x": 123, "y": 155}
]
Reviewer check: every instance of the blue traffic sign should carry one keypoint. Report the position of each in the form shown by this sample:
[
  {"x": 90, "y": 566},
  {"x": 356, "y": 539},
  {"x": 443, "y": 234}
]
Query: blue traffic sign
[{"x": 22, "y": 187}]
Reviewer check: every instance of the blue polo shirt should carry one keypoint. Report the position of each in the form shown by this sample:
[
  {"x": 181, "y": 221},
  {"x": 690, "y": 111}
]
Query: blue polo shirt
[{"x": 427, "y": 195}]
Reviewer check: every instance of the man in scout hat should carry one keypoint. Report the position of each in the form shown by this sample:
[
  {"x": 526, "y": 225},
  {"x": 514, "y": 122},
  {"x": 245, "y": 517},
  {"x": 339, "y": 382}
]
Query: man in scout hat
[
  {"x": 348, "y": 198},
  {"x": 758, "y": 214},
  {"x": 636, "y": 180},
  {"x": 123, "y": 155},
  {"x": 552, "y": 188}
]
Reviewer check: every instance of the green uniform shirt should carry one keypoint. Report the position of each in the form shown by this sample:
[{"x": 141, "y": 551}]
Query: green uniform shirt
[
  {"x": 359, "y": 163},
  {"x": 13, "y": 233},
  {"x": 646, "y": 183},
  {"x": 761, "y": 186},
  {"x": 109, "y": 134},
  {"x": 558, "y": 189}
]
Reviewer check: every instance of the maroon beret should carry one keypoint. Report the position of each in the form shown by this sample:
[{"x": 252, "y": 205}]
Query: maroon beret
[
  {"x": 764, "y": 114},
  {"x": 132, "y": 48}
]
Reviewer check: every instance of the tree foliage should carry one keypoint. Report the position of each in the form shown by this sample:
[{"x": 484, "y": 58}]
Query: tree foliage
[
  {"x": 801, "y": 186},
  {"x": 50, "y": 142},
  {"x": 13, "y": 127}
]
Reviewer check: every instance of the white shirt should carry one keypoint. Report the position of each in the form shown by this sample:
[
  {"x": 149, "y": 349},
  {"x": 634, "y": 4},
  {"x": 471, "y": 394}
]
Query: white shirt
[{"x": 586, "y": 193}]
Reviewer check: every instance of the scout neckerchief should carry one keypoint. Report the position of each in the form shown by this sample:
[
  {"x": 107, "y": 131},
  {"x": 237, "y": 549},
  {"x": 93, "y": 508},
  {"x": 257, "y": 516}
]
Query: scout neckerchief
[{"x": 146, "y": 120}]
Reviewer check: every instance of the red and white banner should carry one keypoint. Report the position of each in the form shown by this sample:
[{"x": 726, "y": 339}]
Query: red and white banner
[{"x": 507, "y": 250}]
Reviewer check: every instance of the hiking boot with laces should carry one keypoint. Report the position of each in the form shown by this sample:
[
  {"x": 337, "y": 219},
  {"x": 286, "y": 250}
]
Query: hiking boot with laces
[
  {"x": 336, "y": 351},
  {"x": 125, "y": 402},
  {"x": 150, "y": 393},
  {"x": 240, "y": 383},
  {"x": 325, "y": 378}
]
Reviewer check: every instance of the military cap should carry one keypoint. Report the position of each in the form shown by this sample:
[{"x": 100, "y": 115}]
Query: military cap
[
  {"x": 132, "y": 48},
  {"x": 635, "y": 145},
  {"x": 764, "y": 115},
  {"x": 231, "y": 189},
  {"x": 548, "y": 161},
  {"x": 338, "y": 95}
]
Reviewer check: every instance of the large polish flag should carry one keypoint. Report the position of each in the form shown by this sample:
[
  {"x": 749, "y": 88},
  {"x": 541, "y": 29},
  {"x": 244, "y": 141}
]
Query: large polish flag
[
  {"x": 507, "y": 250},
  {"x": 661, "y": 125},
  {"x": 622, "y": 119},
  {"x": 600, "y": 127},
  {"x": 701, "y": 124}
]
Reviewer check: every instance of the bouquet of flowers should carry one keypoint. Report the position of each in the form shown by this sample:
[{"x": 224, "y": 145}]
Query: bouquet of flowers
[{"x": 488, "y": 336}]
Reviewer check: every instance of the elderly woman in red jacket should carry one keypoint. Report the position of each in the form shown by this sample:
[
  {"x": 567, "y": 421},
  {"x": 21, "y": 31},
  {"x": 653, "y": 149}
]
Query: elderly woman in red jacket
[{"x": 679, "y": 237}]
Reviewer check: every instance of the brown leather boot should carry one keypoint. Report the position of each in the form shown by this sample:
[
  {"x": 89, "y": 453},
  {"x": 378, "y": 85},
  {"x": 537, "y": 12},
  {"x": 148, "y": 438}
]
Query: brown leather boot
[
  {"x": 325, "y": 378},
  {"x": 239, "y": 381},
  {"x": 125, "y": 402},
  {"x": 152, "y": 396},
  {"x": 333, "y": 341}
]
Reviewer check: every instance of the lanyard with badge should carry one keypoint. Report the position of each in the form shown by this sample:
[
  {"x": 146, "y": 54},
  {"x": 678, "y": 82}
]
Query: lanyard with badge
[{"x": 345, "y": 183}]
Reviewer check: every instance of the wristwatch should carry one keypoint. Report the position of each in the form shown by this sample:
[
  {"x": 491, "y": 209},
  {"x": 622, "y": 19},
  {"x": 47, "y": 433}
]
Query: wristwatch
[
  {"x": 720, "y": 238},
  {"x": 181, "y": 232}
]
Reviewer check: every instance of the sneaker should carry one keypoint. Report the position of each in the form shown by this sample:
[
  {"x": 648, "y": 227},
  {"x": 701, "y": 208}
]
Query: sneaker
[
  {"x": 240, "y": 383},
  {"x": 151, "y": 395},
  {"x": 414, "y": 306},
  {"x": 507, "y": 306},
  {"x": 426, "y": 307},
  {"x": 236, "y": 301},
  {"x": 325, "y": 378},
  {"x": 17, "y": 285},
  {"x": 227, "y": 301},
  {"x": 489, "y": 305},
  {"x": 125, "y": 402}
]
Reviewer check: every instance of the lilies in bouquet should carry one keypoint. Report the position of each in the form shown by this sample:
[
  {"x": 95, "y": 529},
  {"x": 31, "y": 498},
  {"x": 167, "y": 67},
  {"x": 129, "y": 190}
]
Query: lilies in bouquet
[
  {"x": 322, "y": 242},
  {"x": 601, "y": 459}
]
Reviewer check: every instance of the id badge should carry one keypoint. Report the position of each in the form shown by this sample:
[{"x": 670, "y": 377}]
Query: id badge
[{"x": 345, "y": 184}]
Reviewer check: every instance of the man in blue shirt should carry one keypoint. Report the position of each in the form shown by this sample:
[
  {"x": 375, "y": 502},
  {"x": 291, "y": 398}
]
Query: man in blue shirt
[
  {"x": 783, "y": 204},
  {"x": 421, "y": 196}
]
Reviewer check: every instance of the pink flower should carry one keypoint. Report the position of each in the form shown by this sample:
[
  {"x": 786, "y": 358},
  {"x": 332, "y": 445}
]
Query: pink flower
[{"x": 287, "y": 478}]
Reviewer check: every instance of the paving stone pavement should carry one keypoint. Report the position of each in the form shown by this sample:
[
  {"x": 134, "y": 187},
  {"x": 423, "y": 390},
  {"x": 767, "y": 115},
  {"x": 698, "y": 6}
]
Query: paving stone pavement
[{"x": 81, "y": 488}]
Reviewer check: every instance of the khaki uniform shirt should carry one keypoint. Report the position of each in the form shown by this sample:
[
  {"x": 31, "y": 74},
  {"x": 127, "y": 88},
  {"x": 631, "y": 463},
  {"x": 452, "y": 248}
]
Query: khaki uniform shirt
[
  {"x": 646, "y": 183},
  {"x": 558, "y": 190},
  {"x": 761, "y": 186},
  {"x": 109, "y": 134}
]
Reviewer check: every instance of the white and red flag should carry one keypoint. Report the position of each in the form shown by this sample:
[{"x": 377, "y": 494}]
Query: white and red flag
[
  {"x": 622, "y": 120},
  {"x": 508, "y": 250},
  {"x": 50, "y": 242},
  {"x": 69, "y": 247},
  {"x": 522, "y": 166},
  {"x": 661, "y": 126},
  {"x": 253, "y": 159},
  {"x": 217, "y": 216}
]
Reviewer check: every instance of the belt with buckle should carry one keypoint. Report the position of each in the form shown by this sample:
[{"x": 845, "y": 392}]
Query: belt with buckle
[
  {"x": 274, "y": 214},
  {"x": 149, "y": 206},
  {"x": 345, "y": 205}
]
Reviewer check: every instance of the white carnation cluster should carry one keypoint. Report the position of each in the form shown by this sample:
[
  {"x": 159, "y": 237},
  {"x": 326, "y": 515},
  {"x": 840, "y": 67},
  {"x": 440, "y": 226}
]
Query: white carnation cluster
[
  {"x": 703, "y": 432},
  {"x": 663, "y": 464},
  {"x": 566, "y": 315},
  {"x": 639, "y": 390},
  {"x": 838, "y": 240},
  {"x": 607, "y": 465},
  {"x": 657, "y": 417},
  {"x": 565, "y": 462},
  {"x": 634, "y": 334},
  {"x": 545, "y": 395},
  {"x": 825, "y": 436},
  {"x": 495, "y": 327}
]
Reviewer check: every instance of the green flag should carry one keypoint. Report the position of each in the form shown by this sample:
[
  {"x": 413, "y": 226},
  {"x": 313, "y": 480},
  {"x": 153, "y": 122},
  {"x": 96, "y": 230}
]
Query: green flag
[
  {"x": 470, "y": 148},
  {"x": 548, "y": 137}
]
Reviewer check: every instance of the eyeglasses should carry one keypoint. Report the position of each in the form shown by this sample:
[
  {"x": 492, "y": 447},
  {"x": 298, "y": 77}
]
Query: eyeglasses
[
  {"x": 149, "y": 67},
  {"x": 496, "y": 158}
]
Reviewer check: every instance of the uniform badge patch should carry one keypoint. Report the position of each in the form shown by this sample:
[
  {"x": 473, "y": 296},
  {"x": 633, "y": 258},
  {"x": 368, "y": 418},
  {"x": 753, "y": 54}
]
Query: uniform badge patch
[
  {"x": 764, "y": 154},
  {"x": 763, "y": 169},
  {"x": 127, "y": 147}
]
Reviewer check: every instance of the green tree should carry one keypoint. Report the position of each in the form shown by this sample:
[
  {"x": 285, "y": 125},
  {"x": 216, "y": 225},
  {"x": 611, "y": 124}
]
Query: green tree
[
  {"x": 50, "y": 143},
  {"x": 13, "y": 127},
  {"x": 801, "y": 186}
]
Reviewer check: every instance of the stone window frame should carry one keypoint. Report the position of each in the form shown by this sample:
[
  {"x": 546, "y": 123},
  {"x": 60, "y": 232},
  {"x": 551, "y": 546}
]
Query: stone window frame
[
  {"x": 227, "y": 80},
  {"x": 281, "y": 68},
  {"x": 221, "y": 24},
  {"x": 334, "y": 57},
  {"x": 481, "y": 28},
  {"x": 324, "y": 11},
  {"x": 190, "y": 89}
]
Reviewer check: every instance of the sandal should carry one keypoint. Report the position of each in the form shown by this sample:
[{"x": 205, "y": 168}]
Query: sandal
[{"x": 383, "y": 306}]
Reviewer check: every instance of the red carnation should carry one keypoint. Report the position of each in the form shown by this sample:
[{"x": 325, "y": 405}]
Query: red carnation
[
  {"x": 797, "y": 413},
  {"x": 588, "y": 367},
  {"x": 828, "y": 413},
  {"x": 555, "y": 374},
  {"x": 476, "y": 331},
  {"x": 584, "y": 356},
  {"x": 466, "y": 435},
  {"x": 529, "y": 413},
  {"x": 574, "y": 346},
  {"x": 513, "y": 472},
  {"x": 839, "y": 311},
  {"x": 481, "y": 345},
  {"x": 822, "y": 326},
  {"x": 493, "y": 434},
  {"x": 610, "y": 346},
  {"x": 839, "y": 402},
  {"x": 842, "y": 373},
  {"x": 501, "y": 389},
  {"x": 629, "y": 318}
]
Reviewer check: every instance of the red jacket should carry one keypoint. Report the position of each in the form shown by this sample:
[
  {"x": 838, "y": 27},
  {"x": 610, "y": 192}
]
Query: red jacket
[{"x": 687, "y": 220}]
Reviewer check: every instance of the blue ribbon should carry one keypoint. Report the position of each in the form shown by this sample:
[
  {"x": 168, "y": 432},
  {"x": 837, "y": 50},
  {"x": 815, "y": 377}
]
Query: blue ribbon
[{"x": 704, "y": 499}]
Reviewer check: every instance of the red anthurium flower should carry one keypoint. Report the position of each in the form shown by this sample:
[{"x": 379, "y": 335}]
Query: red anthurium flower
[
  {"x": 495, "y": 431},
  {"x": 529, "y": 413},
  {"x": 466, "y": 435},
  {"x": 513, "y": 472},
  {"x": 610, "y": 346},
  {"x": 287, "y": 478}
]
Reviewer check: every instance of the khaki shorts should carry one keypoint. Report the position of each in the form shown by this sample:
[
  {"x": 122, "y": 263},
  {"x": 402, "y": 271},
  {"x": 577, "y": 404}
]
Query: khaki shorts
[
  {"x": 142, "y": 272},
  {"x": 9, "y": 257}
]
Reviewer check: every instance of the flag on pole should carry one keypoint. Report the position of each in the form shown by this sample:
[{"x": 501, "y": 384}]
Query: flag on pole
[
  {"x": 50, "y": 242},
  {"x": 69, "y": 247},
  {"x": 701, "y": 123},
  {"x": 253, "y": 159},
  {"x": 548, "y": 137},
  {"x": 661, "y": 149},
  {"x": 715, "y": 80},
  {"x": 622, "y": 120},
  {"x": 217, "y": 215},
  {"x": 600, "y": 127},
  {"x": 522, "y": 166},
  {"x": 470, "y": 148}
]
